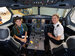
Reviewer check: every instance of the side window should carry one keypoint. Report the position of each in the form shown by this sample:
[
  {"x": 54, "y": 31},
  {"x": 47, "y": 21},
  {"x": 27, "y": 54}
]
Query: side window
[{"x": 73, "y": 17}]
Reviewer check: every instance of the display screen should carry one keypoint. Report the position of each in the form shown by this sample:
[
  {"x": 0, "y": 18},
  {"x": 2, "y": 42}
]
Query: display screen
[
  {"x": 38, "y": 23},
  {"x": 5, "y": 15}
]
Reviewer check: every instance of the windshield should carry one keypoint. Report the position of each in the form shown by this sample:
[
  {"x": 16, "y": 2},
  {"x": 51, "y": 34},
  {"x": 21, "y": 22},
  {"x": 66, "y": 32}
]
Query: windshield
[
  {"x": 73, "y": 16},
  {"x": 43, "y": 11},
  {"x": 5, "y": 15},
  {"x": 51, "y": 11}
]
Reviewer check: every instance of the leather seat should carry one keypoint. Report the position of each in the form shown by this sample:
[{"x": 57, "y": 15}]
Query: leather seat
[
  {"x": 8, "y": 46},
  {"x": 71, "y": 42}
]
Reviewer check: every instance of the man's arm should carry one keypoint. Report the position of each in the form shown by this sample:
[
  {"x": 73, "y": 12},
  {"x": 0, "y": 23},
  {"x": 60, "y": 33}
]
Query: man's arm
[
  {"x": 22, "y": 40},
  {"x": 17, "y": 37},
  {"x": 26, "y": 29},
  {"x": 25, "y": 36},
  {"x": 56, "y": 38}
]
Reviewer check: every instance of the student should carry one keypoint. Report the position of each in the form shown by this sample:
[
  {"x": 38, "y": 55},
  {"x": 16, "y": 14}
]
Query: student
[
  {"x": 20, "y": 30},
  {"x": 0, "y": 20},
  {"x": 58, "y": 31}
]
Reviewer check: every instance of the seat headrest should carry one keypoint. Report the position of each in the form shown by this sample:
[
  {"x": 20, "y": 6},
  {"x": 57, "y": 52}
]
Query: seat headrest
[
  {"x": 4, "y": 34},
  {"x": 71, "y": 42}
]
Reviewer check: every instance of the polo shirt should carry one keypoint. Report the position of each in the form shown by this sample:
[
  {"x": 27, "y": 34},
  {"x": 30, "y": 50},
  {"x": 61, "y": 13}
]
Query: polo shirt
[{"x": 15, "y": 32}]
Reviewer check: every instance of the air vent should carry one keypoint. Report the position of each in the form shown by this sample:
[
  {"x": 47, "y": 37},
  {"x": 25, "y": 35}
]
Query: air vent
[
  {"x": 62, "y": 0},
  {"x": 62, "y": 5}
]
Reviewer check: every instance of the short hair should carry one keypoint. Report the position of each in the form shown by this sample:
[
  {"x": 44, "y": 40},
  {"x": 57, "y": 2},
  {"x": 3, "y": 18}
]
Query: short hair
[
  {"x": 17, "y": 18},
  {"x": 56, "y": 15}
]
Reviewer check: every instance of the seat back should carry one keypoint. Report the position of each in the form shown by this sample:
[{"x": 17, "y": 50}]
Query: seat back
[
  {"x": 8, "y": 46},
  {"x": 71, "y": 42},
  {"x": 4, "y": 34}
]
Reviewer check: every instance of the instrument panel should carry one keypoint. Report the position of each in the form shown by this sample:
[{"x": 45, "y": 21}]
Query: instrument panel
[
  {"x": 38, "y": 2},
  {"x": 38, "y": 25}
]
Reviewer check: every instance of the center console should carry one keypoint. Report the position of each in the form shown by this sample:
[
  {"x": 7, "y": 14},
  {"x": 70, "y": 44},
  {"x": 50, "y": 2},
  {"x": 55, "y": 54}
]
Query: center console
[
  {"x": 37, "y": 36},
  {"x": 36, "y": 41}
]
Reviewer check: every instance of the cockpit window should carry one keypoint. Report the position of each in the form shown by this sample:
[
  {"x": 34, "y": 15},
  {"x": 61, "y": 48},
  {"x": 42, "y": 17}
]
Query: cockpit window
[
  {"x": 73, "y": 16},
  {"x": 51, "y": 11},
  {"x": 5, "y": 15},
  {"x": 43, "y": 11},
  {"x": 26, "y": 11}
]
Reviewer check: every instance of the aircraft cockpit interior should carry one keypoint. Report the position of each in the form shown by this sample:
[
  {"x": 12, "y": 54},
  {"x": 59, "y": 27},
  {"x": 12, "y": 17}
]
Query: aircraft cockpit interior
[{"x": 37, "y": 16}]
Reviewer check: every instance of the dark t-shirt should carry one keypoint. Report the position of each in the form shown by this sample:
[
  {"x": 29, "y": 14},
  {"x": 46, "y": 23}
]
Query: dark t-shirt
[{"x": 15, "y": 32}]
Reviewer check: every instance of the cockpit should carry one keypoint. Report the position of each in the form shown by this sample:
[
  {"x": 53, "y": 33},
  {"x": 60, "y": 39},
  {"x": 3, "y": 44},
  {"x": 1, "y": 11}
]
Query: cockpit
[{"x": 37, "y": 15}]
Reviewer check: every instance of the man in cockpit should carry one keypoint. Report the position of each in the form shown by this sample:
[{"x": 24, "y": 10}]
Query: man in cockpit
[
  {"x": 20, "y": 30},
  {"x": 58, "y": 33}
]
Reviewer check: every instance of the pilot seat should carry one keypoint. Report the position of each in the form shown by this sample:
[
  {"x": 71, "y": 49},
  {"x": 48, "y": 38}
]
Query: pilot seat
[{"x": 8, "y": 46}]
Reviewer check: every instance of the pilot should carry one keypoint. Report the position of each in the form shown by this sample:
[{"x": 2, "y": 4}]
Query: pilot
[
  {"x": 0, "y": 20},
  {"x": 58, "y": 33},
  {"x": 20, "y": 30}
]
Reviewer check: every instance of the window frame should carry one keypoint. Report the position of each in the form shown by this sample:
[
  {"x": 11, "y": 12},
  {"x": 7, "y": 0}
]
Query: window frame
[
  {"x": 72, "y": 11},
  {"x": 9, "y": 21},
  {"x": 68, "y": 22}
]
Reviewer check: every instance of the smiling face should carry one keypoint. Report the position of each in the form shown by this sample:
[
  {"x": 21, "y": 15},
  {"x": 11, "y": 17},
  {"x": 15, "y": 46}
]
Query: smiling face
[
  {"x": 55, "y": 19},
  {"x": 18, "y": 22}
]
